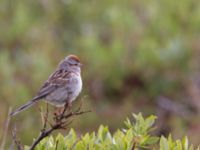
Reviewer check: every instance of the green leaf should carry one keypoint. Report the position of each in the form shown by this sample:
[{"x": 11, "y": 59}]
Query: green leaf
[
  {"x": 164, "y": 143},
  {"x": 185, "y": 143}
]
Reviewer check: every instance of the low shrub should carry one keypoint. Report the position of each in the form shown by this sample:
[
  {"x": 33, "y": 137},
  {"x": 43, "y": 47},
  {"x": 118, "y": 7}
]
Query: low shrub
[{"x": 137, "y": 135}]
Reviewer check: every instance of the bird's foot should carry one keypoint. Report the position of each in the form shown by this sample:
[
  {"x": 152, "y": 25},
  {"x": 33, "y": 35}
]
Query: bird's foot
[{"x": 58, "y": 114}]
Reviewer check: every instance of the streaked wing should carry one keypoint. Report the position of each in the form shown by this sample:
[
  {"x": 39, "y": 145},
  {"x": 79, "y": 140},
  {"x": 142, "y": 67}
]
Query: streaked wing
[{"x": 56, "y": 80}]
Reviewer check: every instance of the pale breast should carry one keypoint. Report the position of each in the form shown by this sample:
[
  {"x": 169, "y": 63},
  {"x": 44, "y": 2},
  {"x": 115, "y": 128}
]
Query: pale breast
[
  {"x": 66, "y": 93},
  {"x": 75, "y": 88}
]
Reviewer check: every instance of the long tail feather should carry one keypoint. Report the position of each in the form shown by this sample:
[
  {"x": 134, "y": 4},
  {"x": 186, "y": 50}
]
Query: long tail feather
[{"x": 23, "y": 107}]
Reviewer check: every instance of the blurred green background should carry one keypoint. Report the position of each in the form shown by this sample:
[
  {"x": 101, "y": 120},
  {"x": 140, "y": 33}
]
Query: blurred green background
[{"x": 138, "y": 56}]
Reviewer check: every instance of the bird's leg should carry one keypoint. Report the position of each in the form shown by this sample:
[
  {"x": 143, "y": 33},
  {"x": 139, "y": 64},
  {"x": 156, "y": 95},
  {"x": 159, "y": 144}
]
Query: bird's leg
[
  {"x": 67, "y": 107},
  {"x": 70, "y": 107},
  {"x": 60, "y": 112},
  {"x": 63, "y": 110}
]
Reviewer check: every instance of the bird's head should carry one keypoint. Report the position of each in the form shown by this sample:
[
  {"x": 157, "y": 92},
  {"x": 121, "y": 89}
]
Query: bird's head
[{"x": 71, "y": 63}]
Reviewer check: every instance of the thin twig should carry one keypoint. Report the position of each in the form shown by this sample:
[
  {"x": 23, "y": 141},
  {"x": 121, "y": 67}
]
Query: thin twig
[
  {"x": 71, "y": 114},
  {"x": 45, "y": 117},
  {"x": 17, "y": 142},
  {"x": 5, "y": 130}
]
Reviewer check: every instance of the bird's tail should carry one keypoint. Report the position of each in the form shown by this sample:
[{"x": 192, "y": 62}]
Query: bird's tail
[{"x": 23, "y": 107}]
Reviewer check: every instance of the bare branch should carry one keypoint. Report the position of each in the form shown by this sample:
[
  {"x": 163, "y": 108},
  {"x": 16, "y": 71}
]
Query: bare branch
[{"x": 61, "y": 121}]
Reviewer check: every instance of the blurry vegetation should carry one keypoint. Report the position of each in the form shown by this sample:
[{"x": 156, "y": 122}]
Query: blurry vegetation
[{"x": 138, "y": 56}]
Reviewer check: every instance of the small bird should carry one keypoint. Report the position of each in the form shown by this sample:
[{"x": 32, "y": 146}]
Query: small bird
[{"x": 62, "y": 87}]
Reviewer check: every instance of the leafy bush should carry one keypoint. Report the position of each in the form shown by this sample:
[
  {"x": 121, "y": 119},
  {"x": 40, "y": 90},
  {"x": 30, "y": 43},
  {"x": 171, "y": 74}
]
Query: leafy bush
[{"x": 137, "y": 135}]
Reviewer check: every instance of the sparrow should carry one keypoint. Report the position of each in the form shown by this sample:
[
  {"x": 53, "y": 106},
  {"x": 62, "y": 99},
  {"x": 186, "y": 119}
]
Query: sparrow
[{"x": 62, "y": 87}]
